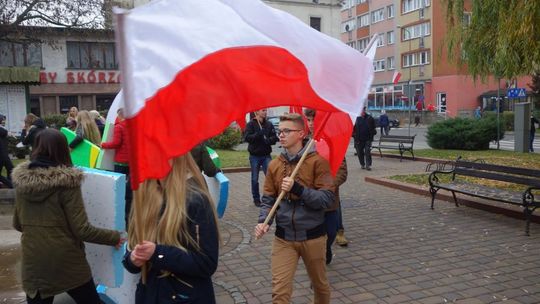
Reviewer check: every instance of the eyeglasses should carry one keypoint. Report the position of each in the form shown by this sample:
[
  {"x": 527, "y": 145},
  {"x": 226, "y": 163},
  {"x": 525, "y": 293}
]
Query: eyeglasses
[{"x": 286, "y": 132}]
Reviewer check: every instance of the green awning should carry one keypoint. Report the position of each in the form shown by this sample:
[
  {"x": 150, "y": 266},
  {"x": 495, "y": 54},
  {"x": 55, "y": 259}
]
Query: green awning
[{"x": 22, "y": 75}]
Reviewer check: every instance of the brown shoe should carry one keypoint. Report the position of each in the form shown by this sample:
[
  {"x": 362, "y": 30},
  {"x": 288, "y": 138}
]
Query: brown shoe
[{"x": 340, "y": 238}]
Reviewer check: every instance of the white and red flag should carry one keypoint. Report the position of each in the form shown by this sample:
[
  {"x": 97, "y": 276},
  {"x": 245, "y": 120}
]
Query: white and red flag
[
  {"x": 191, "y": 67},
  {"x": 395, "y": 77}
]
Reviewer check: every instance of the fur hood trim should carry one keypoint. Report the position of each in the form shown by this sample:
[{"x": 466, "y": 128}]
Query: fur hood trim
[{"x": 40, "y": 179}]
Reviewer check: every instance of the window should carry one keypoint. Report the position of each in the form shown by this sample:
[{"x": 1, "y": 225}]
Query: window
[
  {"x": 67, "y": 102},
  {"x": 348, "y": 26},
  {"x": 91, "y": 55},
  {"x": 20, "y": 54},
  {"x": 360, "y": 1},
  {"x": 379, "y": 65},
  {"x": 377, "y": 15},
  {"x": 391, "y": 63},
  {"x": 103, "y": 103},
  {"x": 315, "y": 22},
  {"x": 363, "y": 20},
  {"x": 347, "y": 4},
  {"x": 352, "y": 44},
  {"x": 467, "y": 18},
  {"x": 415, "y": 31},
  {"x": 380, "y": 41},
  {"x": 362, "y": 44},
  {"x": 390, "y": 11},
  {"x": 390, "y": 38},
  {"x": 412, "y": 5},
  {"x": 415, "y": 59}
]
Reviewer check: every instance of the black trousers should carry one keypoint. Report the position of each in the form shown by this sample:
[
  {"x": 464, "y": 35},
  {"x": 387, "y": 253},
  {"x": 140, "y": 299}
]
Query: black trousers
[
  {"x": 363, "y": 149},
  {"x": 129, "y": 192},
  {"x": 84, "y": 294}
]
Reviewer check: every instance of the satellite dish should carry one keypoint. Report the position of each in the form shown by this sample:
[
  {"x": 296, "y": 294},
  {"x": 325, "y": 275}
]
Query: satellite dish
[{"x": 347, "y": 28}]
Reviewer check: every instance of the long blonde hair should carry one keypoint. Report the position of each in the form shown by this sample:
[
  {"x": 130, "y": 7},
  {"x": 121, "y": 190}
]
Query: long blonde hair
[
  {"x": 172, "y": 225},
  {"x": 89, "y": 128}
]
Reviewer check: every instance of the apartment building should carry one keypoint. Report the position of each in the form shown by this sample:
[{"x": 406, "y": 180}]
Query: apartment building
[{"x": 411, "y": 43}]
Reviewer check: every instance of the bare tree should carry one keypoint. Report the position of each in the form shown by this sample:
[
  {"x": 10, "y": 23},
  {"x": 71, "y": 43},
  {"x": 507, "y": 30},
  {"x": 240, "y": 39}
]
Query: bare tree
[{"x": 49, "y": 13}]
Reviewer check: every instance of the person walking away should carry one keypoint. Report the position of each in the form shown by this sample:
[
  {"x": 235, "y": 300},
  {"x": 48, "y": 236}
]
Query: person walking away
[
  {"x": 49, "y": 211},
  {"x": 86, "y": 129},
  {"x": 120, "y": 143},
  {"x": 332, "y": 216},
  {"x": 181, "y": 246},
  {"x": 364, "y": 131},
  {"x": 33, "y": 125},
  {"x": 300, "y": 225},
  {"x": 260, "y": 135},
  {"x": 384, "y": 123},
  {"x": 534, "y": 122},
  {"x": 5, "y": 161}
]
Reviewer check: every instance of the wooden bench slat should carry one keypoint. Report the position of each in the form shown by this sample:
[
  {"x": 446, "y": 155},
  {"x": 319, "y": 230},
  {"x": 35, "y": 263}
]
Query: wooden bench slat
[
  {"x": 499, "y": 168},
  {"x": 499, "y": 177}
]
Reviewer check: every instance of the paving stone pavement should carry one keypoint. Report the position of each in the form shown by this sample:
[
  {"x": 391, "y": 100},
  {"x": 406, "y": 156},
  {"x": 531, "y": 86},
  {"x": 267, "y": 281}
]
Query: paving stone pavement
[{"x": 400, "y": 250}]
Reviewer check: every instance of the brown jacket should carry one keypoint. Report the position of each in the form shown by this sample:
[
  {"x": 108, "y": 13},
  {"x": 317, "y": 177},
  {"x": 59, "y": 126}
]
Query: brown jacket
[
  {"x": 49, "y": 212},
  {"x": 340, "y": 178},
  {"x": 299, "y": 218}
]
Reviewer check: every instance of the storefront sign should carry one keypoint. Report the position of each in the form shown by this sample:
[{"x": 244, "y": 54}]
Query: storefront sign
[{"x": 82, "y": 77}]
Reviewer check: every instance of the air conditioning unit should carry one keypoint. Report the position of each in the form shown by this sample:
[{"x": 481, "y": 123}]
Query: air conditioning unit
[
  {"x": 421, "y": 72},
  {"x": 350, "y": 12},
  {"x": 421, "y": 42},
  {"x": 421, "y": 13}
]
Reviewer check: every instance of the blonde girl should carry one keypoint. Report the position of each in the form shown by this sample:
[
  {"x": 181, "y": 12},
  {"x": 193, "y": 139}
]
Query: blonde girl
[{"x": 86, "y": 129}]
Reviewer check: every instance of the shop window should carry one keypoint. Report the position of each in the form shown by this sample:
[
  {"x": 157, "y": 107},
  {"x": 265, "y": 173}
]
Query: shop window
[
  {"x": 91, "y": 55},
  {"x": 67, "y": 102}
]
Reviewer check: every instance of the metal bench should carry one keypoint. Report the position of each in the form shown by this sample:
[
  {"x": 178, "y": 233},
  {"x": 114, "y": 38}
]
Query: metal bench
[
  {"x": 396, "y": 142},
  {"x": 520, "y": 176}
]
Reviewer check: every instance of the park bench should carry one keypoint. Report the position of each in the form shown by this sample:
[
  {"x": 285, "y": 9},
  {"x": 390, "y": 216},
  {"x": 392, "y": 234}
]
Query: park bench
[
  {"x": 396, "y": 142},
  {"x": 513, "y": 175}
]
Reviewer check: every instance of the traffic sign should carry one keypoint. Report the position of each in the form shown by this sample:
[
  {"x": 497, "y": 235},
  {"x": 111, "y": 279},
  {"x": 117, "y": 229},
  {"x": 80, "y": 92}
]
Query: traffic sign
[{"x": 516, "y": 93}]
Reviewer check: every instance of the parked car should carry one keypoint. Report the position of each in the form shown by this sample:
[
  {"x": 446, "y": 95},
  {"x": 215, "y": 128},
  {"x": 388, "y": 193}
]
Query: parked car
[{"x": 394, "y": 123}]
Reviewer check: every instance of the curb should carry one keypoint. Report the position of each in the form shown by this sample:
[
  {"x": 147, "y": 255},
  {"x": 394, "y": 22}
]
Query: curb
[
  {"x": 424, "y": 191},
  {"x": 236, "y": 170}
]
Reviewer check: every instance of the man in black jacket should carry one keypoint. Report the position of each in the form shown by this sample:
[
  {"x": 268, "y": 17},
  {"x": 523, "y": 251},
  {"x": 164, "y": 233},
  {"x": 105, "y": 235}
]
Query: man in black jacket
[
  {"x": 364, "y": 131},
  {"x": 260, "y": 135}
]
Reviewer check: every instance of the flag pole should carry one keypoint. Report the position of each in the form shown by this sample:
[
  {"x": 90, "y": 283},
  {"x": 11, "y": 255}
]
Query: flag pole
[
  {"x": 295, "y": 171},
  {"x": 122, "y": 50}
]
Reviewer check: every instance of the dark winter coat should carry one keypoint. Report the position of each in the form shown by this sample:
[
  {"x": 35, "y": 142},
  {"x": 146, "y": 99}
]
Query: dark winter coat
[
  {"x": 191, "y": 271},
  {"x": 534, "y": 121},
  {"x": 28, "y": 137},
  {"x": 364, "y": 128},
  {"x": 260, "y": 138},
  {"x": 383, "y": 120},
  {"x": 49, "y": 212}
]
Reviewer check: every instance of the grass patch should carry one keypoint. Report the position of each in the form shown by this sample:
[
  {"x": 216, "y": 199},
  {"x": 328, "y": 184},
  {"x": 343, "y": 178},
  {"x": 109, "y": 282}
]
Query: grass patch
[
  {"x": 233, "y": 159},
  {"x": 499, "y": 157}
]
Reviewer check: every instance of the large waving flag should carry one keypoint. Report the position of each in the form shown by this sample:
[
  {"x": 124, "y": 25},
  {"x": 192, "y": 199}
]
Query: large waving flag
[{"x": 191, "y": 67}]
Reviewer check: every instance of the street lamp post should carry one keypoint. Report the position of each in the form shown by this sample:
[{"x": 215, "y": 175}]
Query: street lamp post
[{"x": 410, "y": 77}]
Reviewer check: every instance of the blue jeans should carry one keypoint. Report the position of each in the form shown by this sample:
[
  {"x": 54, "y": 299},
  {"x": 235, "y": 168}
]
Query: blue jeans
[
  {"x": 331, "y": 221},
  {"x": 339, "y": 218},
  {"x": 256, "y": 162}
]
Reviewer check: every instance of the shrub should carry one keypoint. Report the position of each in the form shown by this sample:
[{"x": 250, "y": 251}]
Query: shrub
[
  {"x": 506, "y": 117},
  {"x": 226, "y": 140},
  {"x": 19, "y": 153},
  {"x": 56, "y": 121},
  {"x": 463, "y": 134}
]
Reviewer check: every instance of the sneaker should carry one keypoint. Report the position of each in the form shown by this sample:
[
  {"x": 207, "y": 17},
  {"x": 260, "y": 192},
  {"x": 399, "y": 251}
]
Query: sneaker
[
  {"x": 368, "y": 168},
  {"x": 257, "y": 203},
  {"x": 340, "y": 238},
  {"x": 363, "y": 167}
]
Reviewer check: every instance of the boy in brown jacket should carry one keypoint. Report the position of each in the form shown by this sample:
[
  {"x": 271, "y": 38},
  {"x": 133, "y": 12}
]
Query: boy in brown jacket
[{"x": 300, "y": 226}]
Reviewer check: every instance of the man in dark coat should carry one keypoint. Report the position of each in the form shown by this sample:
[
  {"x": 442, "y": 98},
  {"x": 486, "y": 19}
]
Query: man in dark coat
[
  {"x": 5, "y": 161},
  {"x": 260, "y": 135},
  {"x": 364, "y": 131}
]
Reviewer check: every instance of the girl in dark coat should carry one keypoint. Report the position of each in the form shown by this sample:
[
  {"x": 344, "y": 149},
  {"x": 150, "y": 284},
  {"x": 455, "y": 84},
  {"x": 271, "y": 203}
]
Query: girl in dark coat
[
  {"x": 49, "y": 212},
  {"x": 180, "y": 238}
]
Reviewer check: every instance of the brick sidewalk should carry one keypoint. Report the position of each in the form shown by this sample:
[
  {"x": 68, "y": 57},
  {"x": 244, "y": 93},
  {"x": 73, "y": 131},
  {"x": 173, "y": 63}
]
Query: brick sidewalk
[{"x": 400, "y": 251}]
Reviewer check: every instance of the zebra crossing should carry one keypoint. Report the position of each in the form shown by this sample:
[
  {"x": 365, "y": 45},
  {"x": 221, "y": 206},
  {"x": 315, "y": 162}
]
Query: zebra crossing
[{"x": 508, "y": 145}]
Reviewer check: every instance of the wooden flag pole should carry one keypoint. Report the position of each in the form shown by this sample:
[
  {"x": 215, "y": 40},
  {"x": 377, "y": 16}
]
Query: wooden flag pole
[{"x": 293, "y": 175}]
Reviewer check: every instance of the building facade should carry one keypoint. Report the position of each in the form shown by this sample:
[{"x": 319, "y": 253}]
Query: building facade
[{"x": 411, "y": 43}]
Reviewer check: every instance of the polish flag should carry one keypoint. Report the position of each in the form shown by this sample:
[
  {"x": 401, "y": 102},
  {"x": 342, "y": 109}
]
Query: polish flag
[
  {"x": 395, "y": 78},
  {"x": 191, "y": 67}
]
